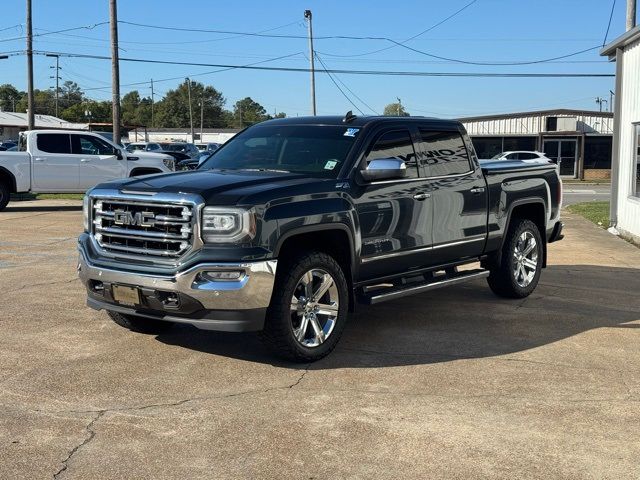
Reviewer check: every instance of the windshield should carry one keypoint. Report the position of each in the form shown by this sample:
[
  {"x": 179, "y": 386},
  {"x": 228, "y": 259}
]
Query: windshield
[
  {"x": 173, "y": 147},
  {"x": 132, "y": 147},
  {"x": 311, "y": 149}
]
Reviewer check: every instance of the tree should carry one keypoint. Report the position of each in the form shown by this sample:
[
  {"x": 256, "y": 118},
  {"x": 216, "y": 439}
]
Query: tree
[
  {"x": 70, "y": 94},
  {"x": 247, "y": 112},
  {"x": 43, "y": 100},
  {"x": 395, "y": 109},
  {"x": 88, "y": 111},
  {"x": 135, "y": 110},
  {"x": 280, "y": 115},
  {"x": 173, "y": 110},
  {"x": 9, "y": 97}
]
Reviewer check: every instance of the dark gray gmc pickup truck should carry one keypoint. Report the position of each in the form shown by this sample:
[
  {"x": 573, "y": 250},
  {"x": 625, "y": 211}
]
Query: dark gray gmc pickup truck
[{"x": 293, "y": 222}]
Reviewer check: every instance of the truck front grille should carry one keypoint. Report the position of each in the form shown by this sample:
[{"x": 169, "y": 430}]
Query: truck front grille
[{"x": 143, "y": 228}]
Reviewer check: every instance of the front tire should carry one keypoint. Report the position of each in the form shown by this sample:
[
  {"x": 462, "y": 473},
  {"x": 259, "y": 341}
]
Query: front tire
[
  {"x": 521, "y": 261},
  {"x": 140, "y": 324},
  {"x": 308, "y": 309},
  {"x": 4, "y": 195}
]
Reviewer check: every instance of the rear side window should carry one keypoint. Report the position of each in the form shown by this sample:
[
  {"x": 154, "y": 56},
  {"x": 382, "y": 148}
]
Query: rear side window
[
  {"x": 527, "y": 156},
  {"x": 54, "y": 142},
  {"x": 89, "y": 145},
  {"x": 395, "y": 144},
  {"x": 444, "y": 153}
]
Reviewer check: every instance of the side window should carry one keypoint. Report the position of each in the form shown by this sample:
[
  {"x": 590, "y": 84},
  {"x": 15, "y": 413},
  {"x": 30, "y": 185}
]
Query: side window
[
  {"x": 395, "y": 144},
  {"x": 513, "y": 156},
  {"x": 154, "y": 146},
  {"x": 88, "y": 145},
  {"x": 53, "y": 142},
  {"x": 445, "y": 153},
  {"x": 528, "y": 156}
]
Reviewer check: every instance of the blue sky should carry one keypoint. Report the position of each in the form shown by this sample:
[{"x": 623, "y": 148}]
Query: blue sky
[{"x": 488, "y": 30}]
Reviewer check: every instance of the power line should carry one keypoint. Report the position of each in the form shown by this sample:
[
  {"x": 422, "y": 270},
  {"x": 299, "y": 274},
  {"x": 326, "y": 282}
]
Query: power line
[
  {"x": 85, "y": 27},
  {"x": 345, "y": 86},
  {"x": 324, "y": 67},
  {"x": 410, "y": 38},
  {"x": 339, "y": 71},
  {"x": 606, "y": 34}
]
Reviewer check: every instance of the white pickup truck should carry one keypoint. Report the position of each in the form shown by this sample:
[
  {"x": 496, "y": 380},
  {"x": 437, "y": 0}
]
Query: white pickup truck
[{"x": 67, "y": 161}]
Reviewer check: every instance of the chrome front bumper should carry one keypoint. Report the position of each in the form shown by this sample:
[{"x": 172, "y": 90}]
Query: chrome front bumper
[{"x": 226, "y": 305}]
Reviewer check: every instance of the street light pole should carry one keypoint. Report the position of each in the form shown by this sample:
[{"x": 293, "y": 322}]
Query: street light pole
[
  {"x": 31, "y": 114},
  {"x": 309, "y": 16},
  {"x": 201, "y": 116},
  {"x": 399, "y": 105},
  {"x": 188, "y": 80}
]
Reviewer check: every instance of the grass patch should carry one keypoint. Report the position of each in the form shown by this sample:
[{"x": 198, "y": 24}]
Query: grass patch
[{"x": 597, "y": 212}]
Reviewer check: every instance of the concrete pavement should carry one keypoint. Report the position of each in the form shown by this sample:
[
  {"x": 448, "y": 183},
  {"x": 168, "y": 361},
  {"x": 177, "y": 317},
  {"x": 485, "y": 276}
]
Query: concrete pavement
[{"x": 456, "y": 383}]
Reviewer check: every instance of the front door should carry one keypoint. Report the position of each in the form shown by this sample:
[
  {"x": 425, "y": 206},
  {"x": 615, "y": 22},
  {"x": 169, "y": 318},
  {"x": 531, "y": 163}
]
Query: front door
[
  {"x": 564, "y": 153},
  {"x": 55, "y": 169},
  {"x": 394, "y": 215},
  {"x": 97, "y": 161}
]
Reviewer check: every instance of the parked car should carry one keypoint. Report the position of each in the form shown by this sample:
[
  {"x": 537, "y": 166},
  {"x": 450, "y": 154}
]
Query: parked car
[
  {"x": 52, "y": 161},
  {"x": 144, "y": 147},
  {"x": 181, "y": 147},
  {"x": 208, "y": 147},
  {"x": 192, "y": 164},
  {"x": 521, "y": 155},
  {"x": 6, "y": 145},
  {"x": 296, "y": 220}
]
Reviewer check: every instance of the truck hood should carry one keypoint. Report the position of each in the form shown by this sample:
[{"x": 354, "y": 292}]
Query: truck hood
[{"x": 214, "y": 186}]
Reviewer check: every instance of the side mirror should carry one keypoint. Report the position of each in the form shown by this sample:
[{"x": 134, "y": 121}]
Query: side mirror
[
  {"x": 384, "y": 169},
  {"x": 118, "y": 153}
]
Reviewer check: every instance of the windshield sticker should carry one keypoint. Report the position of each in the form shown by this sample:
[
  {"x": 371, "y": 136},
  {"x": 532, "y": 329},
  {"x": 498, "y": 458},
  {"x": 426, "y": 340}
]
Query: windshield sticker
[
  {"x": 330, "y": 165},
  {"x": 351, "y": 132}
]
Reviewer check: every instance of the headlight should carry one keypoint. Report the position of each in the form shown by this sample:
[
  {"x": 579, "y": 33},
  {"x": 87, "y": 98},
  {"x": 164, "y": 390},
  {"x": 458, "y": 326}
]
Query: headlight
[
  {"x": 227, "y": 225},
  {"x": 170, "y": 163},
  {"x": 85, "y": 212}
]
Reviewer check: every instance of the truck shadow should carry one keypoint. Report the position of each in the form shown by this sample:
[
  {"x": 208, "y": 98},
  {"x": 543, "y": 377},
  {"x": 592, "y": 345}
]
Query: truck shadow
[
  {"x": 462, "y": 322},
  {"x": 16, "y": 207}
]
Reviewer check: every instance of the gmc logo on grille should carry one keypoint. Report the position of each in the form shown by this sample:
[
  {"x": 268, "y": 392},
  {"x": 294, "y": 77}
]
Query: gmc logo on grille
[{"x": 140, "y": 219}]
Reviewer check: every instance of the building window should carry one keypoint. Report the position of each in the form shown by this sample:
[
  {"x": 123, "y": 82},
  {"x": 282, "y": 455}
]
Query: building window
[
  {"x": 519, "y": 143},
  {"x": 636, "y": 163},
  {"x": 487, "y": 147},
  {"x": 597, "y": 152}
]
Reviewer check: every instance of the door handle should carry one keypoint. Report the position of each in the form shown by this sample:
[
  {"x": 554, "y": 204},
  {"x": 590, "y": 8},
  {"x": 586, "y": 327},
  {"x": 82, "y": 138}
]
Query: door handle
[
  {"x": 85, "y": 160},
  {"x": 476, "y": 190},
  {"x": 421, "y": 196},
  {"x": 39, "y": 159}
]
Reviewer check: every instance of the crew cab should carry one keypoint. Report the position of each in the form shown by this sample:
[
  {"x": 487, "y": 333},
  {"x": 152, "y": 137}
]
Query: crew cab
[
  {"x": 294, "y": 222},
  {"x": 57, "y": 161}
]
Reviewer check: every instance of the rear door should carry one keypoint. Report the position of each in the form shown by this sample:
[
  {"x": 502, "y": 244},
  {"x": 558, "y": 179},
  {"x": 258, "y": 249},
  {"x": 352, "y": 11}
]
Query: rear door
[
  {"x": 55, "y": 169},
  {"x": 97, "y": 160},
  {"x": 458, "y": 193},
  {"x": 394, "y": 215}
]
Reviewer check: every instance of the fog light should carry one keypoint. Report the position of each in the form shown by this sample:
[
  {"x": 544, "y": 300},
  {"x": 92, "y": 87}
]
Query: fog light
[{"x": 223, "y": 275}]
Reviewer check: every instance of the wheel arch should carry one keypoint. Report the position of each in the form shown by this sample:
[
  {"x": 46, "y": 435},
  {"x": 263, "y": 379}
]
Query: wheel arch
[
  {"x": 534, "y": 209},
  {"x": 7, "y": 176},
  {"x": 144, "y": 171}
]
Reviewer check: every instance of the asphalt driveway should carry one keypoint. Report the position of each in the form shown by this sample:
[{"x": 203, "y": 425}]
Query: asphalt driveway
[{"x": 455, "y": 383}]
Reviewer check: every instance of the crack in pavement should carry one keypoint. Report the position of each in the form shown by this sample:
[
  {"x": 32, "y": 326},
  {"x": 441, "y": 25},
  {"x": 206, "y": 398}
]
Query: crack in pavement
[
  {"x": 91, "y": 434},
  {"x": 25, "y": 287}
]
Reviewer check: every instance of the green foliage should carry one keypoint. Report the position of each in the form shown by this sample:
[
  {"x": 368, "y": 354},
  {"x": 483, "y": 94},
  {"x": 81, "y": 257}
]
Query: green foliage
[
  {"x": 9, "y": 97},
  {"x": 173, "y": 110},
  {"x": 247, "y": 112},
  {"x": 395, "y": 109}
]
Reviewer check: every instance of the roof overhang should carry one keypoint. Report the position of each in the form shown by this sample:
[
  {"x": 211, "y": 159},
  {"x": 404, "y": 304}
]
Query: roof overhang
[{"x": 622, "y": 41}]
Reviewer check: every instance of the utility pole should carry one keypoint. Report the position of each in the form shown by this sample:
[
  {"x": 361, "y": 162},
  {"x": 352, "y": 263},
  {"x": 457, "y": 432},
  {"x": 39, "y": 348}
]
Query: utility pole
[
  {"x": 115, "y": 70},
  {"x": 399, "y": 105},
  {"x": 152, "y": 102},
  {"x": 31, "y": 114},
  {"x": 188, "y": 80},
  {"x": 600, "y": 101},
  {"x": 631, "y": 14},
  {"x": 308, "y": 16},
  {"x": 56, "y": 76},
  {"x": 201, "y": 115},
  {"x": 611, "y": 94}
]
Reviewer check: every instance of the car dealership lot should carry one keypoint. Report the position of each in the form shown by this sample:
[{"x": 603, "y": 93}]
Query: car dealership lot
[{"x": 455, "y": 383}]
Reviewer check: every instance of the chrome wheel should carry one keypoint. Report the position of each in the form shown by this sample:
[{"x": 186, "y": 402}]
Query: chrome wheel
[
  {"x": 525, "y": 259},
  {"x": 314, "y": 308}
]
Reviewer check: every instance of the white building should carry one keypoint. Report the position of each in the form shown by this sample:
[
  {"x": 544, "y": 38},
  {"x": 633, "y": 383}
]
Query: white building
[
  {"x": 215, "y": 135},
  {"x": 625, "y": 184},
  {"x": 578, "y": 140},
  {"x": 12, "y": 123}
]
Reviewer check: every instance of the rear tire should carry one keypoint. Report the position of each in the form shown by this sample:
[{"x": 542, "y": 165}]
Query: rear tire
[
  {"x": 521, "y": 261},
  {"x": 309, "y": 308},
  {"x": 4, "y": 195},
  {"x": 140, "y": 324}
]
